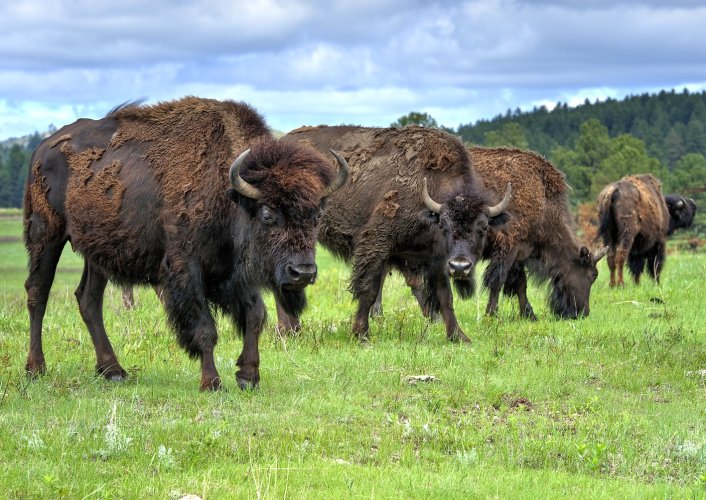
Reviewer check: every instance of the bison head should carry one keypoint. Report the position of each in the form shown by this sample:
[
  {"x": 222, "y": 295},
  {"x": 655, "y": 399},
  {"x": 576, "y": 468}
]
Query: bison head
[
  {"x": 464, "y": 221},
  {"x": 281, "y": 187},
  {"x": 681, "y": 212},
  {"x": 571, "y": 288}
]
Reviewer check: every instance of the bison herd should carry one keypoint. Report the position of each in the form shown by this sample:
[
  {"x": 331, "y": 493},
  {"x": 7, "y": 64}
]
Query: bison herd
[{"x": 197, "y": 198}]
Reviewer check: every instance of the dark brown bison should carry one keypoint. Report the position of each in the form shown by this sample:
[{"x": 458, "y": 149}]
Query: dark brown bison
[
  {"x": 539, "y": 237},
  {"x": 634, "y": 221},
  {"x": 152, "y": 195},
  {"x": 411, "y": 203}
]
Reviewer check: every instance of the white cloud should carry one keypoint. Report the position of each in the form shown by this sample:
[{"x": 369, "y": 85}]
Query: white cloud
[{"x": 368, "y": 61}]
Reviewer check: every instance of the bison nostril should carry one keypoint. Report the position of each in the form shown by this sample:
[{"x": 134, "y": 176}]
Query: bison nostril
[
  {"x": 460, "y": 266},
  {"x": 301, "y": 273}
]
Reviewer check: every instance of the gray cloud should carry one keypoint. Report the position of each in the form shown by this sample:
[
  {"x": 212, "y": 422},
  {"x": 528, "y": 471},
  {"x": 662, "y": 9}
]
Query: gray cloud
[{"x": 388, "y": 56}]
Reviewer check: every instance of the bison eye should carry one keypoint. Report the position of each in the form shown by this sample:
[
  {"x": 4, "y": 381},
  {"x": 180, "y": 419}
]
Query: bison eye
[{"x": 266, "y": 215}]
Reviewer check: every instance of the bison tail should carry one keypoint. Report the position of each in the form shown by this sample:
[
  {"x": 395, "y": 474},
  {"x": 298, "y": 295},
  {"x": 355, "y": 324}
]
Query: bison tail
[{"x": 607, "y": 228}]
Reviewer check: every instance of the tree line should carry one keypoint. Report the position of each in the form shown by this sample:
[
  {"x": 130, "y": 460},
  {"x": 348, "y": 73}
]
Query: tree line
[{"x": 593, "y": 144}]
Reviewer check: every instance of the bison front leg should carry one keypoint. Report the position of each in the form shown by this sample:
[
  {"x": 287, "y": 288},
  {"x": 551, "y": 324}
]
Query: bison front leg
[
  {"x": 248, "y": 376},
  {"x": 441, "y": 287},
  {"x": 89, "y": 294},
  {"x": 188, "y": 313}
]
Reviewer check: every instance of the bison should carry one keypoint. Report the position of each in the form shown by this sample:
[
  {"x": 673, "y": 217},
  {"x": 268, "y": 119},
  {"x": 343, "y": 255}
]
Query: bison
[
  {"x": 193, "y": 196},
  {"x": 411, "y": 203},
  {"x": 635, "y": 220},
  {"x": 538, "y": 238}
]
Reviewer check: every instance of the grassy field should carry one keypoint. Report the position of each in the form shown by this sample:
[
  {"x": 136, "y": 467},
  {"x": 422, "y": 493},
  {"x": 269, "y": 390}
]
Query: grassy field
[{"x": 612, "y": 406}]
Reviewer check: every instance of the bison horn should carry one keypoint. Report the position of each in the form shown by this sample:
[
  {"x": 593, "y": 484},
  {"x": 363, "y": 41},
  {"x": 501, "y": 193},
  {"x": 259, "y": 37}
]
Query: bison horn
[
  {"x": 340, "y": 179},
  {"x": 241, "y": 186},
  {"x": 600, "y": 254},
  {"x": 431, "y": 204},
  {"x": 496, "y": 210},
  {"x": 680, "y": 203}
]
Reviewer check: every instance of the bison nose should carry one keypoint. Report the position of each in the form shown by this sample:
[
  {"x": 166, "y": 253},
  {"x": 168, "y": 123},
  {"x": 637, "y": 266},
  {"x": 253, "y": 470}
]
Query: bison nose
[
  {"x": 459, "y": 267},
  {"x": 301, "y": 274}
]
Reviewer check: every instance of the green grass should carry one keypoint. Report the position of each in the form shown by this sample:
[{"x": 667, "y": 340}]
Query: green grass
[{"x": 612, "y": 406}]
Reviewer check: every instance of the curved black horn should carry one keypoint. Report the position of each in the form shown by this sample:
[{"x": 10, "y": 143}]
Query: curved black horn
[
  {"x": 502, "y": 206},
  {"x": 340, "y": 179},
  {"x": 431, "y": 204},
  {"x": 241, "y": 186},
  {"x": 600, "y": 254}
]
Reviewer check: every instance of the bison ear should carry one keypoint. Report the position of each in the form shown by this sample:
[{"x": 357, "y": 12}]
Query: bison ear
[
  {"x": 585, "y": 256},
  {"x": 499, "y": 220},
  {"x": 247, "y": 204}
]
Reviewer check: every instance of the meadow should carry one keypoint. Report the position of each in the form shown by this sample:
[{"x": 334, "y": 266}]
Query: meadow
[{"x": 610, "y": 406}]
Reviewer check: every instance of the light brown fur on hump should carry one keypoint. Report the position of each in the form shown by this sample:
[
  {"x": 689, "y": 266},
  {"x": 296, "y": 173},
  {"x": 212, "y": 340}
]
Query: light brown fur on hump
[{"x": 190, "y": 140}]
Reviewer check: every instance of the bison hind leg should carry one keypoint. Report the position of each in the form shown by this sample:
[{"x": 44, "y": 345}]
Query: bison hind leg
[
  {"x": 636, "y": 266},
  {"x": 655, "y": 261},
  {"x": 89, "y": 294}
]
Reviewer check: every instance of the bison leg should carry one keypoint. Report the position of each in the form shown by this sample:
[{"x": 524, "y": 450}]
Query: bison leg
[
  {"x": 516, "y": 284},
  {"x": 636, "y": 265},
  {"x": 248, "y": 376},
  {"x": 495, "y": 276},
  {"x": 441, "y": 287},
  {"x": 90, "y": 302},
  {"x": 285, "y": 323},
  {"x": 188, "y": 312},
  {"x": 611, "y": 266},
  {"x": 42, "y": 268},
  {"x": 655, "y": 260},
  {"x": 366, "y": 299},
  {"x": 376, "y": 309}
]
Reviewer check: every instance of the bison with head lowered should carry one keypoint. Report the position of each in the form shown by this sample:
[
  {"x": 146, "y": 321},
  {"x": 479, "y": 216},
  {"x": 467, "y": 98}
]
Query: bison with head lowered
[{"x": 193, "y": 196}]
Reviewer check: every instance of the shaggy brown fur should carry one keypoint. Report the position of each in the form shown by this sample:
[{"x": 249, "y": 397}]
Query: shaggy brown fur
[
  {"x": 539, "y": 236},
  {"x": 635, "y": 220},
  {"x": 379, "y": 218},
  {"x": 144, "y": 195}
]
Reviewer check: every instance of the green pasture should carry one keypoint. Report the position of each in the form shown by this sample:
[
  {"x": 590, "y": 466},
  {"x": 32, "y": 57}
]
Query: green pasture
[{"x": 611, "y": 406}]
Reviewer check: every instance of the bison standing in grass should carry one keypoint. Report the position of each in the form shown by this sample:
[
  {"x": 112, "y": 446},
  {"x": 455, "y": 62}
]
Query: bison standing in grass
[
  {"x": 635, "y": 220},
  {"x": 539, "y": 237},
  {"x": 412, "y": 203},
  {"x": 152, "y": 195}
]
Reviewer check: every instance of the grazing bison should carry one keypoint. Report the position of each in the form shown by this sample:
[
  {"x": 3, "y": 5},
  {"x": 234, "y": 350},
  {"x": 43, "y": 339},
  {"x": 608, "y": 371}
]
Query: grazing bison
[
  {"x": 411, "y": 203},
  {"x": 635, "y": 219},
  {"x": 538, "y": 238},
  {"x": 143, "y": 194}
]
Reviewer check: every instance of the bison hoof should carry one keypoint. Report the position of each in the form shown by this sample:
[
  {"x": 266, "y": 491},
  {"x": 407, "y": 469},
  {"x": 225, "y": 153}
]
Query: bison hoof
[
  {"x": 211, "y": 384},
  {"x": 459, "y": 337},
  {"x": 247, "y": 385},
  {"x": 114, "y": 373},
  {"x": 35, "y": 370}
]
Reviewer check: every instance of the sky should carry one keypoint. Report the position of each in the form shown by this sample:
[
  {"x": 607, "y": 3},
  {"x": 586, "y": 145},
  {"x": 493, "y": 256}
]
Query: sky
[{"x": 364, "y": 62}]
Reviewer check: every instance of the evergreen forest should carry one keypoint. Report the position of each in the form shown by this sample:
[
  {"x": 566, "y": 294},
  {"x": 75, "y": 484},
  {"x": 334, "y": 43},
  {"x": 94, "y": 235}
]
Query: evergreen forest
[{"x": 593, "y": 143}]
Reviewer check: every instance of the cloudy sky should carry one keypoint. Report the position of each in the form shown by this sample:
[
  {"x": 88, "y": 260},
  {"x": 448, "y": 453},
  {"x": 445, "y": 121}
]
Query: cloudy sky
[{"x": 362, "y": 62}]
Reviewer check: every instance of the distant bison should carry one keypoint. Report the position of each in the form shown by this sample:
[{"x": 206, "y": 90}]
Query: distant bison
[
  {"x": 539, "y": 236},
  {"x": 412, "y": 203},
  {"x": 635, "y": 219},
  {"x": 193, "y": 196}
]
